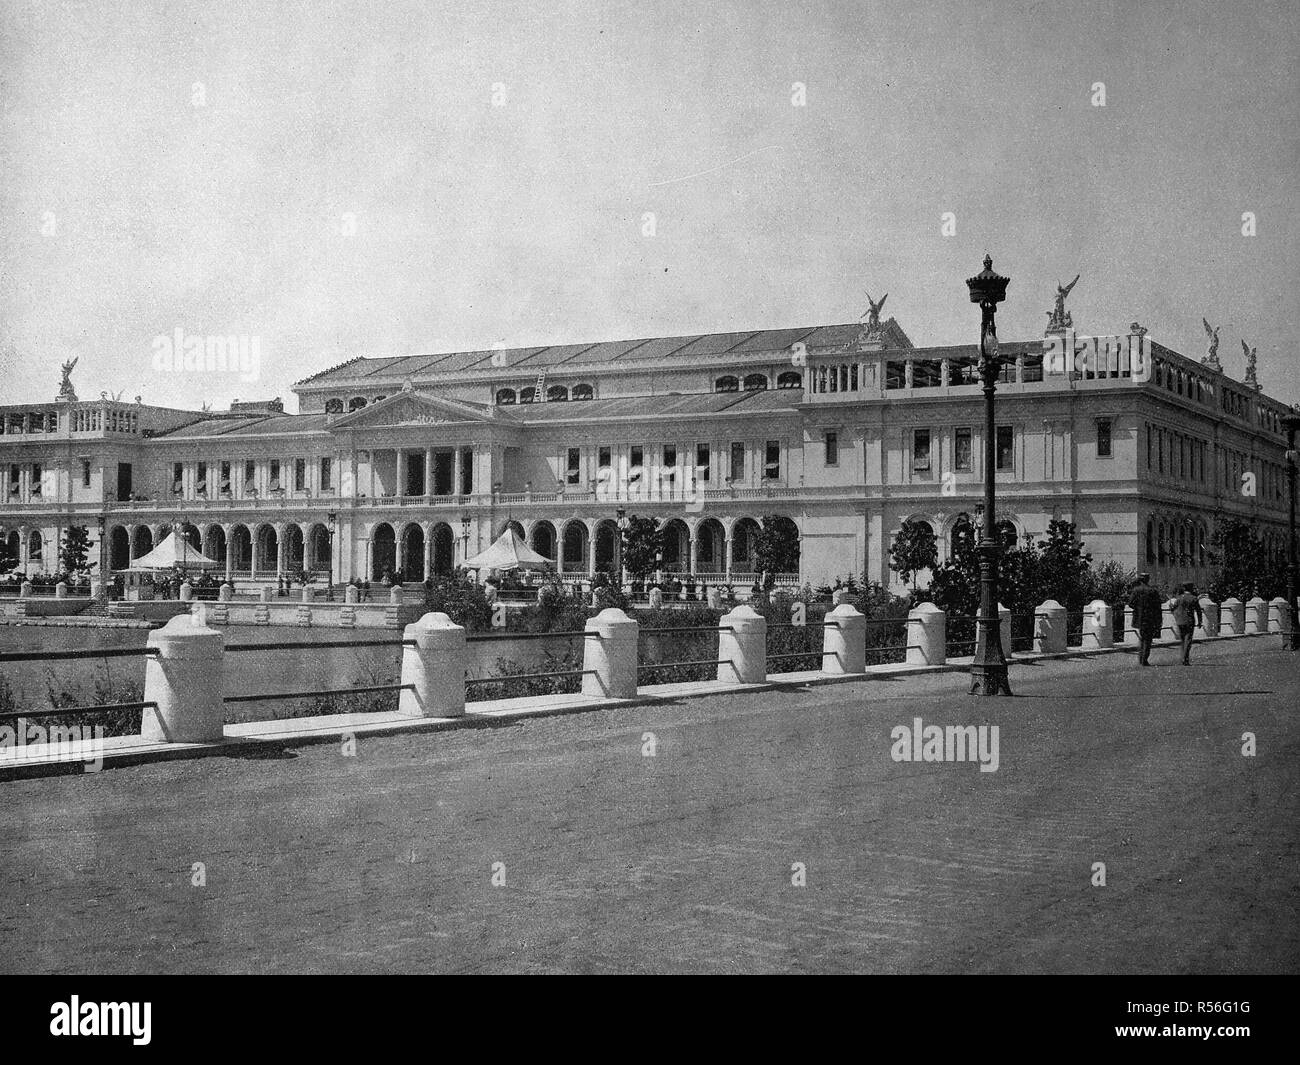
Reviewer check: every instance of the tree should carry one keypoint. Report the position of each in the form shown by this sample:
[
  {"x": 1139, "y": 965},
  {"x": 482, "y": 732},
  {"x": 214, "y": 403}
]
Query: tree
[
  {"x": 914, "y": 548},
  {"x": 643, "y": 543},
  {"x": 1060, "y": 568},
  {"x": 1244, "y": 568},
  {"x": 76, "y": 545},
  {"x": 8, "y": 556},
  {"x": 776, "y": 549}
]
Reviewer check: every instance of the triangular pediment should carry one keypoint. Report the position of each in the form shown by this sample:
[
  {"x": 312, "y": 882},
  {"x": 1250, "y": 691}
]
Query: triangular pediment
[{"x": 413, "y": 408}]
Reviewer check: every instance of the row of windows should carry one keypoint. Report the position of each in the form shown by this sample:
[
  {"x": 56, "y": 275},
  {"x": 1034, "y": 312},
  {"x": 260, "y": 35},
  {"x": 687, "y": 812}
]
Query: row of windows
[
  {"x": 669, "y": 462},
  {"x": 1176, "y": 454},
  {"x": 1176, "y": 543},
  {"x": 506, "y": 397},
  {"x": 963, "y": 436},
  {"x": 215, "y": 479},
  {"x": 1184, "y": 382},
  {"x": 929, "y": 373},
  {"x": 756, "y": 382}
]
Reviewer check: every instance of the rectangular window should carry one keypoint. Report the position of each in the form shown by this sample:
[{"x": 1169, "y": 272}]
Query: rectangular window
[
  {"x": 1103, "y": 438},
  {"x": 573, "y": 466},
  {"x": 326, "y": 475},
  {"x": 36, "y": 479},
  {"x": 85, "y": 473},
  {"x": 201, "y": 478},
  {"x": 1004, "y": 453},
  {"x": 250, "y": 474},
  {"x": 670, "y": 460},
  {"x": 772, "y": 461},
  {"x": 1160, "y": 450},
  {"x": 832, "y": 449},
  {"x": 962, "y": 450},
  {"x": 737, "y": 462},
  {"x": 920, "y": 449},
  {"x": 275, "y": 475},
  {"x": 177, "y": 474},
  {"x": 299, "y": 474},
  {"x": 636, "y": 461},
  {"x": 603, "y": 458},
  {"x": 703, "y": 468}
]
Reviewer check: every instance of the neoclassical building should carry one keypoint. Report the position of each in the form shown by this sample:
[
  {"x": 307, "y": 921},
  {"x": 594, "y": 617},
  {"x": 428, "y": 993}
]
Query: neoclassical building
[{"x": 417, "y": 462}]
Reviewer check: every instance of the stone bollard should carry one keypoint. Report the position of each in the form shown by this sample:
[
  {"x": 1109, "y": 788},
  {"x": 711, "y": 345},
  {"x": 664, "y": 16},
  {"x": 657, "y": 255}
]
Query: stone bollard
[
  {"x": 187, "y": 592},
  {"x": 612, "y": 654},
  {"x": 714, "y": 599},
  {"x": 742, "y": 652},
  {"x": 1004, "y": 632},
  {"x": 226, "y": 592},
  {"x": 1167, "y": 630},
  {"x": 656, "y": 598},
  {"x": 184, "y": 679},
  {"x": 1049, "y": 628},
  {"x": 1232, "y": 617},
  {"x": 307, "y": 596},
  {"x": 395, "y": 596},
  {"x": 844, "y": 645},
  {"x": 25, "y": 590},
  {"x": 61, "y": 590},
  {"x": 1098, "y": 626},
  {"x": 926, "y": 636},
  {"x": 434, "y": 667},
  {"x": 265, "y": 595},
  {"x": 352, "y": 595},
  {"x": 1209, "y": 625},
  {"x": 1279, "y": 616},
  {"x": 1131, "y": 638},
  {"x": 1256, "y": 617}
]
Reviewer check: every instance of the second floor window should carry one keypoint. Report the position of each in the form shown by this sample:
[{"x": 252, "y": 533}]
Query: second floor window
[
  {"x": 703, "y": 468},
  {"x": 85, "y": 473},
  {"x": 772, "y": 460},
  {"x": 299, "y": 474},
  {"x": 275, "y": 475},
  {"x": 832, "y": 449},
  {"x": 326, "y": 475},
  {"x": 572, "y": 468},
  {"x": 177, "y": 474},
  {"x": 603, "y": 458},
  {"x": 961, "y": 455},
  {"x": 1005, "y": 443},
  {"x": 921, "y": 450},
  {"x": 1103, "y": 438},
  {"x": 737, "y": 462}
]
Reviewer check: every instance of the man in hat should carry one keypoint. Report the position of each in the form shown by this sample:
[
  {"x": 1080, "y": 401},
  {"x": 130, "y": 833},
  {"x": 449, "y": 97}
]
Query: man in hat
[
  {"x": 1147, "y": 606},
  {"x": 1187, "y": 615}
]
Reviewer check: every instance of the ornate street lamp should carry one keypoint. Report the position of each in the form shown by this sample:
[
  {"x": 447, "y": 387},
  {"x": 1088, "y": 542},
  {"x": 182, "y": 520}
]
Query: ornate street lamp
[
  {"x": 623, "y": 523},
  {"x": 1291, "y": 423},
  {"x": 333, "y": 520},
  {"x": 989, "y": 668}
]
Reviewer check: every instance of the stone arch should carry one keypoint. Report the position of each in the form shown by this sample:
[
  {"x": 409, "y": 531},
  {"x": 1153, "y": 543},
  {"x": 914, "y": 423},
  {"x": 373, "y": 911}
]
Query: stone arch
[
  {"x": 541, "y": 537},
  {"x": 141, "y": 541},
  {"x": 605, "y": 545},
  {"x": 583, "y": 391},
  {"x": 295, "y": 548},
  {"x": 322, "y": 550},
  {"x": 677, "y": 546},
  {"x": 35, "y": 546},
  {"x": 119, "y": 547},
  {"x": 575, "y": 542},
  {"x": 789, "y": 379},
  {"x": 383, "y": 551},
  {"x": 412, "y": 555},
  {"x": 214, "y": 543},
  {"x": 191, "y": 535},
  {"x": 266, "y": 548},
  {"x": 506, "y": 397},
  {"x": 755, "y": 382},
  {"x": 444, "y": 548},
  {"x": 511, "y": 523},
  {"x": 710, "y": 546},
  {"x": 356, "y": 402},
  {"x": 727, "y": 383},
  {"x": 557, "y": 394},
  {"x": 334, "y": 406},
  {"x": 744, "y": 543},
  {"x": 241, "y": 548}
]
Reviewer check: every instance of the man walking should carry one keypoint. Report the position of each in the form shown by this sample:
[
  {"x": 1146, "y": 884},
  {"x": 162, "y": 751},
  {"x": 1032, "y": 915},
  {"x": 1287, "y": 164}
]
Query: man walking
[
  {"x": 1147, "y": 608},
  {"x": 1187, "y": 615}
]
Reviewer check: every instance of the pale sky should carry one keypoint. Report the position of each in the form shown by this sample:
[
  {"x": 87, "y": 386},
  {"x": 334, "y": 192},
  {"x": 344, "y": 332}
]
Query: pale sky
[{"x": 134, "y": 203}]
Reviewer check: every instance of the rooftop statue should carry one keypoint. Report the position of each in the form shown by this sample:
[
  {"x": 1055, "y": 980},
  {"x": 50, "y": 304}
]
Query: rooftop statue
[
  {"x": 1251, "y": 373},
  {"x": 1212, "y": 346},
  {"x": 871, "y": 328},
  {"x": 1058, "y": 317},
  {"x": 66, "y": 391}
]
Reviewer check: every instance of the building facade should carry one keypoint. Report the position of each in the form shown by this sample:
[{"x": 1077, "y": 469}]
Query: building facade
[{"x": 415, "y": 463}]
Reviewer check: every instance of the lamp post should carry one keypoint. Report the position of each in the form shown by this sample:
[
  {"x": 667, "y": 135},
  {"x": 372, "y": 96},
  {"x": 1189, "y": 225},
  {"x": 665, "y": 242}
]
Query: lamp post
[
  {"x": 1291, "y": 423},
  {"x": 622, "y": 522},
  {"x": 989, "y": 667},
  {"x": 332, "y": 519}
]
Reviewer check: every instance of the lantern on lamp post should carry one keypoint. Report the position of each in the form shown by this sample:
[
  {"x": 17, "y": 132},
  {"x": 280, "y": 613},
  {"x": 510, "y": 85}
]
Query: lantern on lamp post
[{"x": 989, "y": 667}]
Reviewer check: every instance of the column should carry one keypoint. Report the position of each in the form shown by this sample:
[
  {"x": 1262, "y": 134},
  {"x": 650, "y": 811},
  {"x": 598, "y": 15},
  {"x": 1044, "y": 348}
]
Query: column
[
  {"x": 230, "y": 554},
  {"x": 428, "y": 548},
  {"x": 727, "y": 545},
  {"x": 279, "y": 549},
  {"x": 428, "y": 471},
  {"x": 695, "y": 553},
  {"x": 401, "y": 472},
  {"x": 458, "y": 457},
  {"x": 907, "y": 374}
]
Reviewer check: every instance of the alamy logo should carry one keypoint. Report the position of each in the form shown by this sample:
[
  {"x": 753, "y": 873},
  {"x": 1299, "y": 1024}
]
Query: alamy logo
[
  {"x": 953, "y": 743},
  {"x": 1089, "y": 356},
  {"x": 194, "y": 353},
  {"x": 102, "y": 1018}
]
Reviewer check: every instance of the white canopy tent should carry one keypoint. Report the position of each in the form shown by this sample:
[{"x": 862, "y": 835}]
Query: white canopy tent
[
  {"x": 173, "y": 550},
  {"x": 508, "y": 552}
]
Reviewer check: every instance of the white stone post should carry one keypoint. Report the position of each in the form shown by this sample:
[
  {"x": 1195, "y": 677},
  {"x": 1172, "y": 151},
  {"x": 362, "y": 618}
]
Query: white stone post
[
  {"x": 1004, "y": 632},
  {"x": 656, "y": 598},
  {"x": 612, "y": 654},
  {"x": 1049, "y": 628},
  {"x": 25, "y": 590},
  {"x": 307, "y": 593},
  {"x": 1232, "y": 616},
  {"x": 184, "y": 679},
  {"x": 352, "y": 594},
  {"x": 395, "y": 596},
  {"x": 264, "y": 595},
  {"x": 1209, "y": 625},
  {"x": 434, "y": 667},
  {"x": 1131, "y": 637},
  {"x": 187, "y": 592},
  {"x": 1256, "y": 617},
  {"x": 714, "y": 598},
  {"x": 927, "y": 632},
  {"x": 1098, "y": 630},
  {"x": 742, "y": 652},
  {"x": 61, "y": 590},
  {"x": 1279, "y": 617},
  {"x": 226, "y": 592},
  {"x": 844, "y": 645}
]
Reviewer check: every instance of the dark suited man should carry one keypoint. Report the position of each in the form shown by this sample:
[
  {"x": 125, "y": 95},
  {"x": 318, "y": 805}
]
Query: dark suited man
[
  {"x": 1147, "y": 606},
  {"x": 1187, "y": 615}
]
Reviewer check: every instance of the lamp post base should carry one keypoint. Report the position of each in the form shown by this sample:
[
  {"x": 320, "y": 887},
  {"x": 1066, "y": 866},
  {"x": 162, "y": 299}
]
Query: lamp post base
[{"x": 989, "y": 680}]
